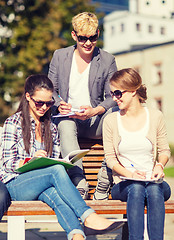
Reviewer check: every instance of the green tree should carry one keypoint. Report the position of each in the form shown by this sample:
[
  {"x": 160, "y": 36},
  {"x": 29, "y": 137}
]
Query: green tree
[{"x": 30, "y": 30}]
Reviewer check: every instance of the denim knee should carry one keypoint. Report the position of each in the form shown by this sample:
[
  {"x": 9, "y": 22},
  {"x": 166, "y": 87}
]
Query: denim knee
[
  {"x": 166, "y": 190},
  {"x": 58, "y": 170},
  {"x": 159, "y": 191},
  {"x": 136, "y": 190},
  {"x": 122, "y": 190}
]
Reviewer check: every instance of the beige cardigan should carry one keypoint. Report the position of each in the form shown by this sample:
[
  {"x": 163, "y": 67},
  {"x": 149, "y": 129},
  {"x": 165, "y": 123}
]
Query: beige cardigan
[{"x": 157, "y": 135}]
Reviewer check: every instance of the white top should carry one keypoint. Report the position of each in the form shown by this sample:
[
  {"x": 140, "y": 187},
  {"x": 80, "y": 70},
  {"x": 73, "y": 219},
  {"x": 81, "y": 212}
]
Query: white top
[
  {"x": 135, "y": 149},
  {"x": 39, "y": 145},
  {"x": 78, "y": 86}
]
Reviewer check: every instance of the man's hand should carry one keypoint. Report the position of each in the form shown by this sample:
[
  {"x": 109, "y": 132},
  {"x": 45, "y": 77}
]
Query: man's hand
[
  {"x": 89, "y": 112},
  {"x": 64, "y": 108}
]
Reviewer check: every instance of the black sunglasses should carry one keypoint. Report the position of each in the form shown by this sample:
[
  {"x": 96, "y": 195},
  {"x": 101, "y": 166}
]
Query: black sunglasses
[
  {"x": 117, "y": 93},
  {"x": 39, "y": 104},
  {"x": 85, "y": 39}
]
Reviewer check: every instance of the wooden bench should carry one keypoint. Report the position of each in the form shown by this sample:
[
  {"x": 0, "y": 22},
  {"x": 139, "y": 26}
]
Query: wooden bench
[{"x": 92, "y": 163}]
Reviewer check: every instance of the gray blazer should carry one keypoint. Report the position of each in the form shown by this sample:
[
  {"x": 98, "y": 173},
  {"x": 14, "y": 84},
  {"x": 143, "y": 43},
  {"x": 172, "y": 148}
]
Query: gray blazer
[{"x": 102, "y": 67}]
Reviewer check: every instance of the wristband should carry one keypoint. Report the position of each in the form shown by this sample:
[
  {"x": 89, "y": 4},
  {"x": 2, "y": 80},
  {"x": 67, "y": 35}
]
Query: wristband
[{"x": 160, "y": 165}]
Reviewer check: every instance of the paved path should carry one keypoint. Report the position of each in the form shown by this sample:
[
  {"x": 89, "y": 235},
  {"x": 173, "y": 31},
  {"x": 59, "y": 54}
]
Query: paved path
[{"x": 52, "y": 231}]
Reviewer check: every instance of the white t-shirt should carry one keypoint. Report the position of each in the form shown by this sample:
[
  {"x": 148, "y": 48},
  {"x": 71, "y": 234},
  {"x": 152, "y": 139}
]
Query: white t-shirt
[
  {"x": 78, "y": 86},
  {"x": 135, "y": 149}
]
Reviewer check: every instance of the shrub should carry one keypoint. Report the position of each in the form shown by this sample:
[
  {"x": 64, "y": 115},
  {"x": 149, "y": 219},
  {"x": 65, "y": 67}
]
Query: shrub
[{"x": 172, "y": 149}]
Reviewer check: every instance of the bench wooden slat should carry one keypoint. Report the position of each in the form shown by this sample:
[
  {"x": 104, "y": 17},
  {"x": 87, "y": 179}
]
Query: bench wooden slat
[
  {"x": 93, "y": 158},
  {"x": 93, "y": 165},
  {"x": 91, "y": 171},
  {"x": 25, "y": 208},
  {"x": 20, "y": 208},
  {"x": 91, "y": 178},
  {"x": 96, "y": 152}
]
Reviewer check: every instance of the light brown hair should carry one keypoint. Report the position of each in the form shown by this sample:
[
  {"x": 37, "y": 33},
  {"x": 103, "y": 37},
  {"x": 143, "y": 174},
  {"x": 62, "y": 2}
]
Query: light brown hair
[{"x": 130, "y": 80}]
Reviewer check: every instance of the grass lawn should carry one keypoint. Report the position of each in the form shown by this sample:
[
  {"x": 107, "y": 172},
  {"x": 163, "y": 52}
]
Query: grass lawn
[{"x": 169, "y": 172}]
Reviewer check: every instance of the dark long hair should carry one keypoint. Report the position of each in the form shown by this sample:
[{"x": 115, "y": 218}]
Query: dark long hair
[{"x": 32, "y": 84}]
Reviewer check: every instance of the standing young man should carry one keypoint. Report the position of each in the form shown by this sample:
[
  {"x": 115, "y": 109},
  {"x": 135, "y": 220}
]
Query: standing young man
[{"x": 80, "y": 75}]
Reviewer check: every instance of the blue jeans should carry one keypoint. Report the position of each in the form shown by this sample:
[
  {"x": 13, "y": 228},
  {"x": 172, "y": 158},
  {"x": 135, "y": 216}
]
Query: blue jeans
[
  {"x": 5, "y": 199},
  {"x": 70, "y": 129},
  {"x": 137, "y": 195},
  {"x": 52, "y": 186}
]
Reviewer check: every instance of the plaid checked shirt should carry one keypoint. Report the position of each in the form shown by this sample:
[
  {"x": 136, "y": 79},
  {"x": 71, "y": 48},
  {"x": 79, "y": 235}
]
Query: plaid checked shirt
[{"x": 12, "y": 146}]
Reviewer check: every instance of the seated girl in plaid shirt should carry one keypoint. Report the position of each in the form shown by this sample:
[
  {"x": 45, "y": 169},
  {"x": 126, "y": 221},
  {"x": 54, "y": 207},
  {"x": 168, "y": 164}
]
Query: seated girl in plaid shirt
[{"x": 28, "y": 133}]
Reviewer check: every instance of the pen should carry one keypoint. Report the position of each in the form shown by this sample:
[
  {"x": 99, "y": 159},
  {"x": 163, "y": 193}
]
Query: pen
[
  {"x": 133, "y": 166},
  {"x": 72, "y": 109},
  {"x": 61, "y": 98}
]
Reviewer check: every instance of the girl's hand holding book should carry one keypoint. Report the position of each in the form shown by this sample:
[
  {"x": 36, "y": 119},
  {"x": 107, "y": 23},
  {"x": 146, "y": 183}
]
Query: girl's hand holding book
[
  {"x": 40, "y": 153},
  {"x": 157, "y": 172},
  {"x": 139, "y": 174}
]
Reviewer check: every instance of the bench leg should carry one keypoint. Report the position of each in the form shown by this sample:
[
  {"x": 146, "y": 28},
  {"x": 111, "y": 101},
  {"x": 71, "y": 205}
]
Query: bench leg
[
  {"x": 145, "y": 228},
  {"x": 16, "y": 228}
]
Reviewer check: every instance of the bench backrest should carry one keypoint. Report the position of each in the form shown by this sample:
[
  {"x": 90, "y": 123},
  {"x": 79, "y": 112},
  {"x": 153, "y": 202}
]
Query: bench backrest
[{"x": 92, "y": 161}]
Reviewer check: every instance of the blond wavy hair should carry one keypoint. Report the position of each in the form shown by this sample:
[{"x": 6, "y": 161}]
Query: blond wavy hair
[{"x": 85, "y": 23}]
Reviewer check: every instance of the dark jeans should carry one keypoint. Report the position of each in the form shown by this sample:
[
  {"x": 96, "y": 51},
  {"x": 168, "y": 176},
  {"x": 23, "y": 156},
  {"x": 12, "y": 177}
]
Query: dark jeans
[
  {"x": 137, "y": 195},
  {"x": 5, "y": 199}
]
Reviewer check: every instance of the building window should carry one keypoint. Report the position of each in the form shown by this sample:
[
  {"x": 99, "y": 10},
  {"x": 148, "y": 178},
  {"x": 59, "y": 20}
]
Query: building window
[
  {"x": 162, "y": 30},
  {"x": 137, "y": 69},
  {"x": 138, "y": 27},
  {"x": 122, "y": 27},
  {"x": 112, "y": 30},
  {"x": 157, "y": 74},
  {"x": 158, "y": 103},
  {"x": 150, "y": 29}
]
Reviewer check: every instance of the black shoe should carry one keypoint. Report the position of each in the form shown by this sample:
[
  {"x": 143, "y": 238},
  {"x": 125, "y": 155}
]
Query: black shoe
[{"x": 112, "y": 227}]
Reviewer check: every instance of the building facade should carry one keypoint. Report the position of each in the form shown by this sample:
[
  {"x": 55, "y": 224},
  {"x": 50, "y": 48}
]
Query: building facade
[{"x": 144, "y": 23}]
